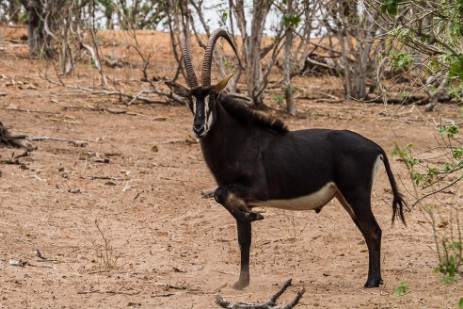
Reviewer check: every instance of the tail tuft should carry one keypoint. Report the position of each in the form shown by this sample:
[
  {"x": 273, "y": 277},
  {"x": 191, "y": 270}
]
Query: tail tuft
[
  {"x": 398, "y": 201},
  {"x": 398, "y": 207}
]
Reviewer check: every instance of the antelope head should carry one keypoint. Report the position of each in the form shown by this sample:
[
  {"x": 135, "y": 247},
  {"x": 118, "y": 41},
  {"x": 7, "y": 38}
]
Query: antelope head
[{"x": 202, "y": 100}]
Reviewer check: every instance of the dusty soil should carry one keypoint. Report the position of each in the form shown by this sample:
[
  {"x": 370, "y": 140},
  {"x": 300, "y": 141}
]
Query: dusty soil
[{"x": 119, "y": 223}]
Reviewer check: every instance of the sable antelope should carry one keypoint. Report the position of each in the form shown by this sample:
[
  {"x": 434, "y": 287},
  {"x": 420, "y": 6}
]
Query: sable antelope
[{"x": 257, "y": 161}]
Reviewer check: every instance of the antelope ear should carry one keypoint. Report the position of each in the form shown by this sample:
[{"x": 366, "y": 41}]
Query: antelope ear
[
  {"x": 179, "y": 89},
  {"x": 223, "y": 83}
]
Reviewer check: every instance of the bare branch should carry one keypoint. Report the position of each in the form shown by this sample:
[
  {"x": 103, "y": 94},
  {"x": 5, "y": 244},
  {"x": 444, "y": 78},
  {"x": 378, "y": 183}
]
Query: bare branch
[{"x": 270, "y": 304}]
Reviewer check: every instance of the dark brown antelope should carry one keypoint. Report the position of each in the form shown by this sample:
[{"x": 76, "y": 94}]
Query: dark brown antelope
[{"x": 258, "y": 162}]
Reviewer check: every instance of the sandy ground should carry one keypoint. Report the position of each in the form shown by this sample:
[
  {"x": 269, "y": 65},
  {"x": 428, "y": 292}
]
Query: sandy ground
[{"x": 119, "y": 223}]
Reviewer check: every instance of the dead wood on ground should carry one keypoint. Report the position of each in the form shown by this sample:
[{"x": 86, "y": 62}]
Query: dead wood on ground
[
  {"x": 15, "y": 140},
  {"x": 270, "y": 304},
  {"x": 7, "y": 138}
]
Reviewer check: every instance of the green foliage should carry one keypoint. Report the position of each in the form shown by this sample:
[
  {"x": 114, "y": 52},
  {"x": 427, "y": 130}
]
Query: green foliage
[
  {"x": 401, "y": 289},
  {"x": 143, "y": 14},
  {"x": 456, "y": 92},
  {"x": 402, "y": 153},
  {"x": 456, "y": 67},
  {"x": 450, "y": 130},
  {"x": 457, "y": 153},
  {"x": 390, "y": 6},
  {"x": 291, "y": 20},
  {"x": 405, "y": 93},
  {"x": 279, "y": 99},
  {"x": 222, "y": 9},
  {"x": 22, "y": 18},
  {"x": 405, "y": 154},
  {"x": 460, "y": 303},
  {"x": 448, "y": 246},
  {"x": 450, "y": 258},
  {"x": 435, "y": 32},
  {"x": 223, "y": 17},
  {"x": 400, "y": 60},
  {"x": 425, "y": 173},
  {"x": 400, "y": 33}
]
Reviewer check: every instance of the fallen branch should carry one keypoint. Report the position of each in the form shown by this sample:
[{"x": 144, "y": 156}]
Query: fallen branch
[
  {"x": 107, "y": 292},
  {"x": 119, "y": 93},
  {"x": 136, "y": 97},
  {"x": 25, "y": 153},
  {"x": 15, "y": 140},
  {"x": 270, "y": 304},
  {"x": 413, "y": 99},
  {"x": 31, "y": 111},
  {"x": 76, "y": 143},
  {"x": 42, "y": 258},
  {"x": 106, "y": 178}
]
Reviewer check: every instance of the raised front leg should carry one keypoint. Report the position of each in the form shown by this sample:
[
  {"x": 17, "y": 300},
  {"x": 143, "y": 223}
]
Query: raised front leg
[{"x": 235, "y": 205}]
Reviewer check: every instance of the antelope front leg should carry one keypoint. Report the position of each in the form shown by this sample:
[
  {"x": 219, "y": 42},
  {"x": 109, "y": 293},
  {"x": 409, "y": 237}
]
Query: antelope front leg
[
  {"x": 244, "y": 240},
  {"x": 243, "y": 216},
  {"x": 235, "y": 205}
]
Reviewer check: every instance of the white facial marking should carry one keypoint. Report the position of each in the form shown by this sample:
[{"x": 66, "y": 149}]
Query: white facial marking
[
  {"x": 308, "y": 202},
  {"x": 194, "y": 105},
  {"x": 206, "y": 113},
  {"x": 209, "y": 122}
]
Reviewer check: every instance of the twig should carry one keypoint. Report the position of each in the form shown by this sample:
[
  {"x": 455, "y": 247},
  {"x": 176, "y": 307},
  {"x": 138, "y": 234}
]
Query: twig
[
  {"x": 25, "y": 153},
  {"x": 107, "y": 292},
  {"x": 42, "y": 258},
  {"x": 136, "y": 97},
  {"x": 116, "y": 92},
  {"x": 270, "y": 304},
  {"x": 77, "y": 143},
  {"x": 13, "y": 162},
  {"x": 436, "y": 191},
  {"x": 173, "y": 179},
  {"x": 31, "y": 111},
  {"x": 331, "y": 96},
  {"x": 105, "y": 178}
]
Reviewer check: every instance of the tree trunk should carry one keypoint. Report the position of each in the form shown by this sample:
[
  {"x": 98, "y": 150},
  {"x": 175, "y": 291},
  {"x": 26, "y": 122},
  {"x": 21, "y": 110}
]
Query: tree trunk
[
  {"x": 287, "y": 88},
  {"x": 251, "y": 44},
  {"x": 13, "y": 11},
  {"x": 356, "y": 31},
  {"x": 39, "y": 43}
]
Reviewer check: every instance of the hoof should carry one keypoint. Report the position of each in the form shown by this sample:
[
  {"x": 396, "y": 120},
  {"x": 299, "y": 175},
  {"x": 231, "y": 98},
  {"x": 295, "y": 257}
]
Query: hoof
[
  {"x": 373, "y": 282},
  {"x": 253, "y": 216},
  {"x": 240, "y": 284}
]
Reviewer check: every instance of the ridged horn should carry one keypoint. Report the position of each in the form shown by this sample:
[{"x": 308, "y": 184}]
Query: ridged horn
[
  {"x": 207, "y": 62},
  {"x": 186, "y": 52}
]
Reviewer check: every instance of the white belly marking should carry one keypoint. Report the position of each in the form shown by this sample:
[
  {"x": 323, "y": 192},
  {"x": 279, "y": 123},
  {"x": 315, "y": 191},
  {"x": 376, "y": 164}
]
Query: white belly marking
[{"x": 307, "y": 202}]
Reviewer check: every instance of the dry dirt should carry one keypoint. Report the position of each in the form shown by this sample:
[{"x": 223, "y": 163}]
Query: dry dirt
[{"x": 120, "y": 222}]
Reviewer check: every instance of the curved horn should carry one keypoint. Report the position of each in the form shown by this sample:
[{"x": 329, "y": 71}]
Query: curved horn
[
  {"x": 190, "y": 71},
  {"x": 207, "y": 62}
]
